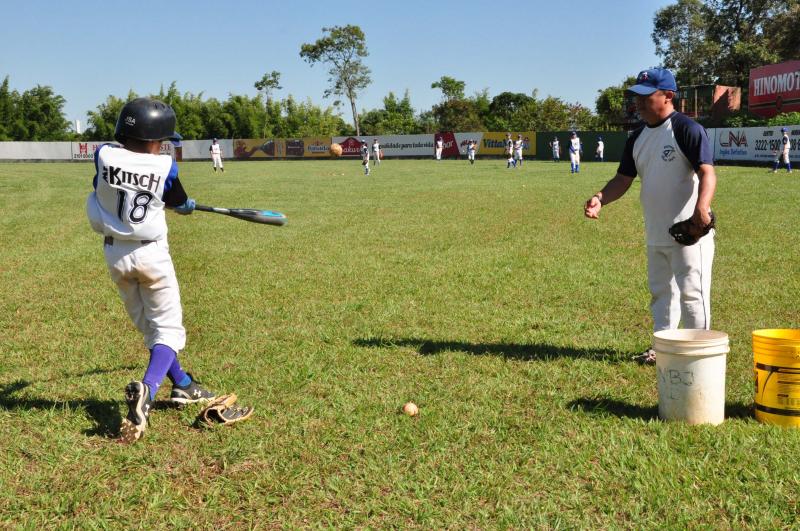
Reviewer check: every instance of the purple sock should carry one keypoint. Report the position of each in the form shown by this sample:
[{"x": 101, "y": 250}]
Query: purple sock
[
  {"x": 161, "y": 358},
  {"x": 177, "y": 375}
]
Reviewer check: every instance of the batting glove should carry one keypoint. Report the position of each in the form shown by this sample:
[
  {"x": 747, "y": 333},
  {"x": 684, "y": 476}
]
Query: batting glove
[{"x": 186, "y": 208}]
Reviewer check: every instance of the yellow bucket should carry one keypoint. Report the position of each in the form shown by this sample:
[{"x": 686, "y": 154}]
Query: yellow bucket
[{"x": 776, "y": 361}]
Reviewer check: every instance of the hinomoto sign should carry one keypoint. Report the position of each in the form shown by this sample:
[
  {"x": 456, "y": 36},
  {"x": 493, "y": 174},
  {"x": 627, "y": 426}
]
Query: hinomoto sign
[{"x": 775, "y": 89}]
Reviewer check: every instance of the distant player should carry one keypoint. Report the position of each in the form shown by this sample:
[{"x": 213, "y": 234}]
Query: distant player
[
  {"x": 132, "y": 186},
  {"x": 376, "y": 151},
  {"x": 216, "y": 155},
  {"x": 575, "y": 150},
  {"x": 365, "y": 156},
  {"x": 598, "y": 155},
  {"x": 439, "y": 147},
  {"x": 783, "y": 152},
  {"x": 508, "y": 149},
  {"x": 471, "y": 148},
  {"x": 556, "y": 147},
  {"x": 518, "y": 145}
]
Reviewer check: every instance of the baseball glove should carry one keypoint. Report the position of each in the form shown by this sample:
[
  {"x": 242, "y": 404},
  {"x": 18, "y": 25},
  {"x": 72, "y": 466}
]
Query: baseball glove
[
  {"x": 687, "y": 233},
  {"x": 222, "y": 410}
]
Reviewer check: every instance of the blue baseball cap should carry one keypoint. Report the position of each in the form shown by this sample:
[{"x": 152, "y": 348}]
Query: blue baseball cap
[
  {"x": 649, "y": 81},
  {"x": 784, "y": 130}
]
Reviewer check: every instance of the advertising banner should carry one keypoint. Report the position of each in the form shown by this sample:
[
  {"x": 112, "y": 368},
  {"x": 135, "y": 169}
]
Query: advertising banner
[
  {"x": 85, "y": 150},
  {"x": 258, "y": 148},
  {"x": 317, "y": 146},
  {"x": 775, "y": 89},
  {"x": 391, "y": 145},
  {"x": 494, "y": 143},
  {"x": 753, "y": 143},
  {"x": 35, "y": 150},
  {"x": 200, "y": 149}
]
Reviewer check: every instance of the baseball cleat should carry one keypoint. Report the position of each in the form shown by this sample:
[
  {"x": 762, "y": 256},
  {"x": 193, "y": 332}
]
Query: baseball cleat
[
  {"x": 137, "y": 396},
  {"x": 191, "y": 394},
  {"x": 648, "y": 357}
]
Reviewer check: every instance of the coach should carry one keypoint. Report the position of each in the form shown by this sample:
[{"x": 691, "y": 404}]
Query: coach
[{"x": 672, "y": 156}]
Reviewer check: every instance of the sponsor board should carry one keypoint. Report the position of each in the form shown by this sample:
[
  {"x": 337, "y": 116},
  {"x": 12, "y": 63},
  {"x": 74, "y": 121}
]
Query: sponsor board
[
  {"x": 201, "y": 149},
  {"x": 391, "y": 145},
  {"x": 753, "y": 143},
  {"x": 317, "y": 146},
  {"x": 494, "y": 143},
  {"x": 775, "y": 89},
  {"x": 258, "y": 148}
]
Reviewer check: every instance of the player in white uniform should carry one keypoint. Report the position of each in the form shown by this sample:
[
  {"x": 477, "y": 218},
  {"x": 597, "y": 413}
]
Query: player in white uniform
[
  {"x": 783, "y": 152},
  {"x": 556, "y": 149},
  {"x": 365, "y": 156},
  {"x": 132, "y": 186},
  {"x": 673, "y": 157},
  {"x": 216, "y": 155},
  {"x": 598, "y": 154},
  {"x": 471, "y": 148},
  {"x": 439, "y": 147},
  {"x": 575, "y": 150},
  {"x": 508, "y": 150},
  {"x": 376, "y": 151},
  {"x": 518, "y": 145}
]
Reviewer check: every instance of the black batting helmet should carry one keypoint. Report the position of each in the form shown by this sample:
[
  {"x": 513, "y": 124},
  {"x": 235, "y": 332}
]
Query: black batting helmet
[{"x": 146, "y": 119}]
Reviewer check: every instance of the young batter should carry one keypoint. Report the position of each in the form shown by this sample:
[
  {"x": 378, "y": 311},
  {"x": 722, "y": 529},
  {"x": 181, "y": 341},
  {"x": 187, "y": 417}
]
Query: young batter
[
  {"x": 673, "y": 157},
  {"x": 132, "y": 186}
]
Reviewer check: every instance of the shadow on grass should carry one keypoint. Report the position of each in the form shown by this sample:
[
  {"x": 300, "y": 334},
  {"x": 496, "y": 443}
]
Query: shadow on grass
[
  {"x": 514, "y": 351},
  {"x": 104, "y": 413},
  {"x": 610, "y": 407}
]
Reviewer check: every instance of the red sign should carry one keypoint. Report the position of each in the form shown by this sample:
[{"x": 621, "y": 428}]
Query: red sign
[
  {"x": 351, "y": 147},
  {"x": 775, "y": 89}
]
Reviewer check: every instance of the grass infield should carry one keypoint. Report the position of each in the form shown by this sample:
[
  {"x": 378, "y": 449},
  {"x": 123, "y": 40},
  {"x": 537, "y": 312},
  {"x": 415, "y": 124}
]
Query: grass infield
[{"x": 480, "y": 293}]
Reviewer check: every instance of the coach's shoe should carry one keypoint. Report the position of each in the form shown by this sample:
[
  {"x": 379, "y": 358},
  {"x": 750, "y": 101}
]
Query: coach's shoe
[
  {"x": 648, "y": 357},
  {"x": 190, "y": 394},
  {"x": 137, "y": 396}
]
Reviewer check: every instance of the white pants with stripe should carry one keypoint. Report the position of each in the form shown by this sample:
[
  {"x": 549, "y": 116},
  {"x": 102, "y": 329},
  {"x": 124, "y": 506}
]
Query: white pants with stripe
[
  {"x": 147, "y": 284},
  {"x": 679, "y": 278}
]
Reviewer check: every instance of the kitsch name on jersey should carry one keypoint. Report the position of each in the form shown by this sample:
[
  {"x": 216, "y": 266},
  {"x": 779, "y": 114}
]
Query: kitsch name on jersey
[{"x": 118, "y": 177}]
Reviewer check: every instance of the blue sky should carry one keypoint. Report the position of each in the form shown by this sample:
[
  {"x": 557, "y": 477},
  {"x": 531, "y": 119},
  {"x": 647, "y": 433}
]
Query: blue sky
[{"x": 88, "y": 50}]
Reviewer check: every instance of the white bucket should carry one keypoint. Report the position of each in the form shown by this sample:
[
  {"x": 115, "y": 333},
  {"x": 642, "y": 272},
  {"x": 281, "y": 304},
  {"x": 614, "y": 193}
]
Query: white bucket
[{"x": 690, "y": 365}]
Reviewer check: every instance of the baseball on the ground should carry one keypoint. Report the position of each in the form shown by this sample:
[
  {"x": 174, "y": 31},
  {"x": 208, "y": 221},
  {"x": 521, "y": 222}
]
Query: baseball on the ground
[{"x": 410, "y": 409}]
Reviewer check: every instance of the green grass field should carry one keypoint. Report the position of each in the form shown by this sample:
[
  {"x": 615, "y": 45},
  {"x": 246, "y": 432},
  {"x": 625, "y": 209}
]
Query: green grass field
[{"x": 480, "y": 293}]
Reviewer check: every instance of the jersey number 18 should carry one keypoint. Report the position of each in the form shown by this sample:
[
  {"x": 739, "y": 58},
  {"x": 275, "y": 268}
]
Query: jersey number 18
[{"x": 139, "y": 206}]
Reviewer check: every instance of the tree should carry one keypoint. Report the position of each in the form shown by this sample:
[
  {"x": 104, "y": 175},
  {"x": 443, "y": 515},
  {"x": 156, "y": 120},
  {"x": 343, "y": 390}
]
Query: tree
[
  {"x": 343, "y": 48},
  {"x": 680, "y": 33},
  {"x": 396, "y": 117},
  {"x": 452, "y": 89},
  {"x": 41, "y": 115},
  {"x": 507, "y": 111},
  {"x": 103, "y": 120},
  {"x": 782, "y": 34},
  {"x": 266, "y": 85},
  {"x": 610, "y": 104},
  {"x": 8, "y": 110}
]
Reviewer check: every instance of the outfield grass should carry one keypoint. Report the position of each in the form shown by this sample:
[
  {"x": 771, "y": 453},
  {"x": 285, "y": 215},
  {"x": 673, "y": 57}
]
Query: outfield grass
[{"x": 480, "y": 293}]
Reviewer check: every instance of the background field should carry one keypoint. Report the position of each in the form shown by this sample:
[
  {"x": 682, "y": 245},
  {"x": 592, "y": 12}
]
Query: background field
[{"x": 478, "y": 292}]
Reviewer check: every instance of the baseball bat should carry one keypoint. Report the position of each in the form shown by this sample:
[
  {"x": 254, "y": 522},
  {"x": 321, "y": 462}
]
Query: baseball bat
[{"x": 267, "y": 217}]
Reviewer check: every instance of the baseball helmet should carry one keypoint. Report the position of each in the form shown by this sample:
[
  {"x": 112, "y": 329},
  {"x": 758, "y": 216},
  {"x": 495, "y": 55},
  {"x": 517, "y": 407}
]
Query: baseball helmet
[
  {"x": 783, "y": 130},
  {"x": 146, "y": 119}
]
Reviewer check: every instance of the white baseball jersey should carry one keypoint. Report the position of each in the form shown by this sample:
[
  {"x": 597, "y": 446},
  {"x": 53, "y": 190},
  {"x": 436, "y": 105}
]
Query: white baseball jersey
[
  {"x": 600, "y": 147},
  {"x": 215, "y": 150},
  {"x": 127, "y": 206},
  {"x": 575, "y": 145},
  {"x": 376, "y": 147},
  {"x": 787, "y": 144},
  {"x": 556, "y": 148},
  {"x": 666, "y": 157},
  {"x": 130, "y": 193}
]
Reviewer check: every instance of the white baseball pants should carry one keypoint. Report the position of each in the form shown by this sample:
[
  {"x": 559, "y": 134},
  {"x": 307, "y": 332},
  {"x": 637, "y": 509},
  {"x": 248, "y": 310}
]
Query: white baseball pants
[
  {"x": 147, "y": 284},
  {"x": 217, "y": 160},
  {"x": 679, "y": 278}
]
